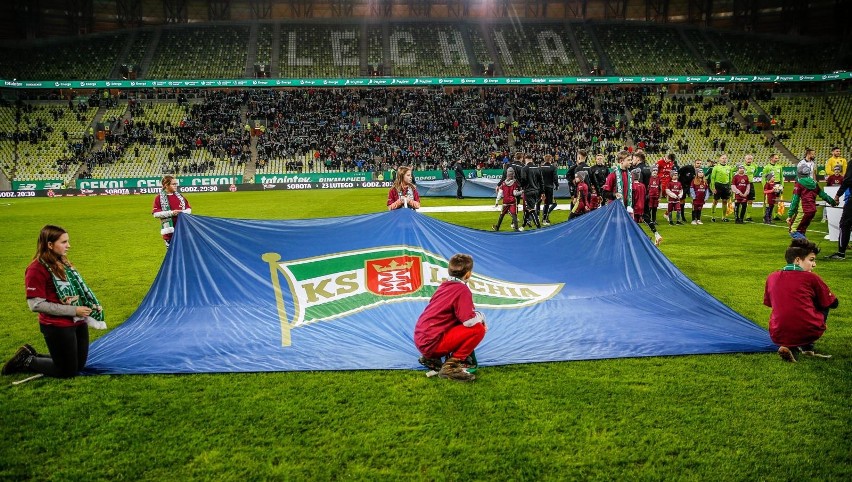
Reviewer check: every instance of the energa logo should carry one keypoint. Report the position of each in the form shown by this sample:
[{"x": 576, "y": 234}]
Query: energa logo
[{"x": 331, "y": 286}]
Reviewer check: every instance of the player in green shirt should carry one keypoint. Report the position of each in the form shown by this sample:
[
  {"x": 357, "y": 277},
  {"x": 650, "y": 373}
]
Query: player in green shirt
[
  {"x": 777, "y": 171},
  {"x": 720, "y": 184}
]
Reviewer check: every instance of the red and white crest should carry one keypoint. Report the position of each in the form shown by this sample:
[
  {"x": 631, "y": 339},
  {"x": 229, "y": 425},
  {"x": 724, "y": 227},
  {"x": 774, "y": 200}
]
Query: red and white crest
[{"x": 399, "y": 275}]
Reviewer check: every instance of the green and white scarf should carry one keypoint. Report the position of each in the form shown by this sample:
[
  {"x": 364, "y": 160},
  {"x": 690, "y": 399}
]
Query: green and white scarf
[
  {"x": 792, "y": 267},
  {"x": 168, "y": 222},
  {"x": 628, "y": 196},
  {"x": 74, "y": 291}
]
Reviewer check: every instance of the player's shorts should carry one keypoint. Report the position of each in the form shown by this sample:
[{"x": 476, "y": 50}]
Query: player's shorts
[
  {"x": 723, "y": 191},
  {"x": 750, "y": 196}
]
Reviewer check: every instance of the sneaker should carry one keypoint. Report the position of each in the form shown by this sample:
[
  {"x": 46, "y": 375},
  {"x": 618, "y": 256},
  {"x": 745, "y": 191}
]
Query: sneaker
[
  {"x": 671, "y": 223},
  {"x": 658, "y": 239},
  {"x": 749, "y": 219},
  {"x": 777, "y": 218},
  {"x": 724, "y": 220},
  {"x": 699, "y": 222},
  {"x": 431, "y": 363},
  {"x": 494, "y": 227},
  {"x": 452, "y": 369},
  {"x": 521, "y": 228},
  {"x": 546, "y": 223},
  {"x": 838, "y": 256},
  {"x": 695, "y": 222},
  {"x": 679, "y": 222},
  {"x": 713, "y": 220},
  {"x": 19, "y": 362},
  {"x": 786, "y": 354}
]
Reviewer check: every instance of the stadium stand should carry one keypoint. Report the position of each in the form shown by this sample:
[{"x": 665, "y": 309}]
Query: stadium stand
[
  {"x": 587, "y": 46},
  {"x": 428, "y": 50},
  {"x": 84, "y": 58},
  {"x": 50, "y": 136},
  {"x": 760, "y": 54},
  {"x": 807, "y": 121},
  {"x": 646, "y": 50},
  {"x": 264, "y": 44},
  {"x": 320, "y": 51},
  {"x": 535, "y": 50},
  {"x": 201, "y": 52}
]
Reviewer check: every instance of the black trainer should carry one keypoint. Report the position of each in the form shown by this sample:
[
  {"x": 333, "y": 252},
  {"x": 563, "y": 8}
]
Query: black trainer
[
  {"x": 431, "y": 363},
  {"x": 838, "y": 256},
  {"x": 19, "y": 362}
]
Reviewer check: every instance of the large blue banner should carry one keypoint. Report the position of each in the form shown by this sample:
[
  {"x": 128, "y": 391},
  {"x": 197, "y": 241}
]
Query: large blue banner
[{"x": 344, "y": 293}]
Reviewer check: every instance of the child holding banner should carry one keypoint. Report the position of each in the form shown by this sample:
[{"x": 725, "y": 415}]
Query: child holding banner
[
  {"x": 403, "y": 193},
  {"x": 168, "y": 204},
  {"x": 449, "y": 326},
  {"x": 66, "y": 308},
  {"x": 800, "y": 301}
]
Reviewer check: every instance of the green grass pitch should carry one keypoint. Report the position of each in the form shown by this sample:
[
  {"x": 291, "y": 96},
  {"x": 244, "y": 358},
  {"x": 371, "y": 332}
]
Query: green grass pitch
[{"x": 712, "y": 417}]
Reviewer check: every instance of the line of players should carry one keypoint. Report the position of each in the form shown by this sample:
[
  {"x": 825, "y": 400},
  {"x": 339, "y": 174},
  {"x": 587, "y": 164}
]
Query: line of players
[{"x": 639, "y": 186}]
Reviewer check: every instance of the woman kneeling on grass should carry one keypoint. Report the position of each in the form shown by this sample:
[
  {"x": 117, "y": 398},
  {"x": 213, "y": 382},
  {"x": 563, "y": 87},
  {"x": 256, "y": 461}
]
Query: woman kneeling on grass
[
  {"x": 66, "y": 308},
  {"x": 800, "y": 301}
]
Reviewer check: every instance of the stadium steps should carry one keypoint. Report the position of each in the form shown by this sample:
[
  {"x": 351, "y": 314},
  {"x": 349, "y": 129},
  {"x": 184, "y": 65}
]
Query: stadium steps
[
  {"x": 709, "y": 39},
  {"x": 604, "y": 58},
  {"x": 251, "y": 165},
  {"x": 276, "y": 51},
  {"x": 115, "y": 73},
  {"x": 363, "y": 47},
  {"x": 578, "y": 52},
  {"x": 149, "y": 52},
  {"x": 251, "y": 51},
  {"x": 471, "y": 56},
  {"x": 492, "y": 50},
  {"x": 386, "y": 49},
  {"x": 769, "y": 134},
  {"x": 694, "y": 51}
]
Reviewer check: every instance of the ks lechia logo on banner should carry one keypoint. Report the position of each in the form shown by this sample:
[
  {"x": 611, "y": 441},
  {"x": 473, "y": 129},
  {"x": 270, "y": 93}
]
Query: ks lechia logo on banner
[{"x": 334, "y": 285}]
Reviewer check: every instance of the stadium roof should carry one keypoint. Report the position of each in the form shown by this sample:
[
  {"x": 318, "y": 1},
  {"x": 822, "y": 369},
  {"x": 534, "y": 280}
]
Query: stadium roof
[{"x": 48, "y": 18}]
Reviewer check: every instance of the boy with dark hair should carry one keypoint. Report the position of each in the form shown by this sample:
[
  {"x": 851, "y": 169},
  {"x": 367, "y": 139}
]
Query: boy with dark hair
[
  {"x": 800, "y": 301},
  {"x": 449, "y": 326}
]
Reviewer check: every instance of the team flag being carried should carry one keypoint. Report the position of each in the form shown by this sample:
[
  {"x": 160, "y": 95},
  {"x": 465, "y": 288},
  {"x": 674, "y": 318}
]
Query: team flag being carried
[{"x": 344, "y": 293}]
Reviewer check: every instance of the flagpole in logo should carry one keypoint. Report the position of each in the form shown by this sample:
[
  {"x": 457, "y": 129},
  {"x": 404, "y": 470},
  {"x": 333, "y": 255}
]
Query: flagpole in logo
[{"x": 272, "y": 259}]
